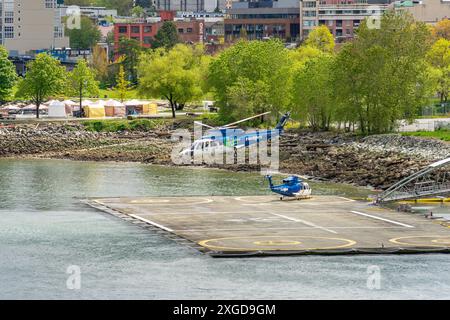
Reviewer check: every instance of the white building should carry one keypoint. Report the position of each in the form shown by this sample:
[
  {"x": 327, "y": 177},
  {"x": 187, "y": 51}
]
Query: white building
[
  {"x": 29, "y": 25},
  {"x": 92, "y": 12}
]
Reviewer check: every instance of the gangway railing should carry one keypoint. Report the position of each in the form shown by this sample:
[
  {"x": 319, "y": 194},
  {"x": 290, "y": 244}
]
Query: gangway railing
[{"x": 433, "y": 180}]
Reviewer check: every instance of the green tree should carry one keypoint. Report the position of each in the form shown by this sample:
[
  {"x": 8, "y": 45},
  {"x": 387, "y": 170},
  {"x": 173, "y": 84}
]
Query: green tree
[
  {"x": 175, "y": 74},
  {"x": 321, "y": 38},
  {"x": 247, "y": 97},
  {"x": 100, "y": 63},
  {"x": 442, "y": 29},
  {"x": 85, "y": 37},
  {"x": 45, "y": 78},
  {"x": 439, "y": 58},
  {"x": 130, "y": 50},
  {"x": 122, "y": 84},
  {"x": 313, "y": 98},
  {"x": 138, "y": 12},
  {"x": 82, "y": 82},
  {"x": 264, "y": 63},
  {"x": 382, "y": 76},
  {"x": 243, "y": 34},
  {"x": 123, "y": 6},
  {"x": 82, "y": 3},
  {"x": 167, "y": 36},
  {"x": 8, "y": 75}
]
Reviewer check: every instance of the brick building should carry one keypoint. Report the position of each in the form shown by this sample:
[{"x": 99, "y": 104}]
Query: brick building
[{"x": 189, "y": 31}]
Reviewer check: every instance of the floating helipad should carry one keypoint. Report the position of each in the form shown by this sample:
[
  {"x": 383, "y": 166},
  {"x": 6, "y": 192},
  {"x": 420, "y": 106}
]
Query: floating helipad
[{"x": 264, "y": 225}]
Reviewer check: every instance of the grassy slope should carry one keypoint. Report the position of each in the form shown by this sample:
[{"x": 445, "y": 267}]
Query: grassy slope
[{"x": 440, "y": 134}]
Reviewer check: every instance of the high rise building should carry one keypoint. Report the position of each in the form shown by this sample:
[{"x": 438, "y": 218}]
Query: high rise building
[
  {"x": 29, "y": 25},
  {"x": 342, "y": 17}
]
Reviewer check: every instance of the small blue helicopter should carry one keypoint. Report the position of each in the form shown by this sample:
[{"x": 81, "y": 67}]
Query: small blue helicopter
[{"x": 292, "y": 187}]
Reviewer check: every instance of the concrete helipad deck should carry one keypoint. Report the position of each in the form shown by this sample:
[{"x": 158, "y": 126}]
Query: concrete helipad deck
[{"x": 250, "y": 225}]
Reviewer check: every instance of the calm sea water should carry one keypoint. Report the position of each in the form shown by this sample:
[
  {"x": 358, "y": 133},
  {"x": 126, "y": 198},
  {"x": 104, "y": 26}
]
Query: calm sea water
[{"x": 44, "y": 229}]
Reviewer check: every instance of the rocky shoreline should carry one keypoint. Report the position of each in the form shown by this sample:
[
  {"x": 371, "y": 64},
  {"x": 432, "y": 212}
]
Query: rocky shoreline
[{"x": 375, "y": 161}]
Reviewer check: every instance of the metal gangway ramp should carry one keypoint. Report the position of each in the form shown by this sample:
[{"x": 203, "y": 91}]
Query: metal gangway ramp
[{"x": 433, "y": 180}]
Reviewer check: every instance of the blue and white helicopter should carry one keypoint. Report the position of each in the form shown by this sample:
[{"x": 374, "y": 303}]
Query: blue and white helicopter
[
  {"x": 292, "y": 187},
  {"x": 229, "y": 139}
]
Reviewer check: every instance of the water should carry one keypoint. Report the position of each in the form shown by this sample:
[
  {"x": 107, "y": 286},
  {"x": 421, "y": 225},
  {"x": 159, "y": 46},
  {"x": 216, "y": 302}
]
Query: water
[{"x": 44, "y": 229}]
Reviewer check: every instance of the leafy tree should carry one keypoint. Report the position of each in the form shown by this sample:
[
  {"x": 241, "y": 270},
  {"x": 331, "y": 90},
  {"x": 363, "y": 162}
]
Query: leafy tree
[
  {"x": 243, "y": 34},
  {"x": 175, "y": 74},
  {"x": 381, "y": 76},
  {"x": 130, "y": 50},
  {"x": 81, "y": 3},
  {"x": 8, "y": 75},
  {"x": 442, "y": 29},
  {"x": 313, "y": 98},
  {"x": 123, "y": 6},
  {"x": 100, "y": 63},
  {"x": 264, "y": 63},
  {"x": 248, "y": 97},
  {"x": 122, "y": 84},
  {"x": 138, "y": 12},
  {"x": 167, "y": 36},
  {"x": 85, "y": 37},
  {"x": 439, "y": 58},
  {"x": 82, "y": 82},
  {"x": 321, "y": 38},
  {"x": 45, "y": 78}
]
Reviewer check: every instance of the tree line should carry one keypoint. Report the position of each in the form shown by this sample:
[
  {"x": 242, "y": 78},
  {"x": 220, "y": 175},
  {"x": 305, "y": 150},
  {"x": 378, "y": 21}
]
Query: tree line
[{"x": 385, "y": 74}]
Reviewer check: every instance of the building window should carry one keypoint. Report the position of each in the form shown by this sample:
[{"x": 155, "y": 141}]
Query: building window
[
  {"x": 135, "y": 29},
  {"x": 181, "y": 30},
  {"x": 147, "y": 40},
  {"x": 309, "y": 4},
  {"x": 9, "y": 32},
  {"x": 309, "y": 13},
  {"x": 58, "y": 30},
  {"x": 147, "y": 29},
  {"x": 50, "y": 4},
  {"x": 123, "y": 29},
  {"x": 189, "y": 30},
  {"x": 309, "y": 23},
  {"x": 9, "y": 17}
]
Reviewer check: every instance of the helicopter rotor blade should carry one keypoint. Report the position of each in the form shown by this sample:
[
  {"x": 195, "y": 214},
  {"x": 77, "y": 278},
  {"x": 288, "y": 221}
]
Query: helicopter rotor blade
[
  {"x": 204, "y": 125},
  {"x": 246, "y": 119}
]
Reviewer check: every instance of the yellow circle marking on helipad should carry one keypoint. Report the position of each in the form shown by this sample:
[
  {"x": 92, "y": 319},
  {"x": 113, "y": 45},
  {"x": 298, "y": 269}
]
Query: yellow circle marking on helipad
[
  {"x": 173, "y": 201},
  {"x": 276, "y": 243},
  {"x": 206, "y": 243},
  {"x": 434, "y": 241}
]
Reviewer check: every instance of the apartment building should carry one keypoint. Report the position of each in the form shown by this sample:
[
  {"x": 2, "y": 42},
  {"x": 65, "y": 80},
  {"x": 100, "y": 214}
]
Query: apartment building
[
  {"x": 428, "y": 11},
  {"x": 342, "y": 17},
  {"x": 263, "y": 19},
  {"x": 29, "y": 25}
]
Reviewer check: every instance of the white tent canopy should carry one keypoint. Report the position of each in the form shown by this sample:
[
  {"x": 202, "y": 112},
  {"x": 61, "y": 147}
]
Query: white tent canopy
[
  {"x": 113, "y": 103},
  {"x": 50, "y": 102},
  {"x": 132, "y": 103},
  {"x": 70, "y": 103},
  {"x": 57, "y": 110},
  {"x": 86, "y": 103},
  {"x": 10, "y": 107}
]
